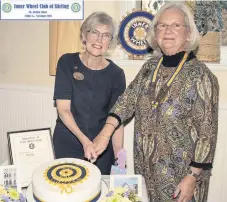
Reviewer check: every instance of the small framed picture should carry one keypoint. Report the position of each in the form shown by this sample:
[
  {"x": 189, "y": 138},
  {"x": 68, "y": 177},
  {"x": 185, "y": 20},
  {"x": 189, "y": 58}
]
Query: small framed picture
[
  {"x": 9, "y": 177},
  {"x": 133, "y": 182}
]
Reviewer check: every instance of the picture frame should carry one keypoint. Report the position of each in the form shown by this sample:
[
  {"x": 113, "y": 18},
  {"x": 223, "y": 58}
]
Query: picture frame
[
  {"x": 9, "y": 177},
  {"x": 28, "y": 149},
  {"x": 133, "y": 181}
]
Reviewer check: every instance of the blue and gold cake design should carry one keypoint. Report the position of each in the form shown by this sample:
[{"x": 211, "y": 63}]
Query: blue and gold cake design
[
  {"x": 67, "y": 179},
  {"x": 65, "y": 175}
]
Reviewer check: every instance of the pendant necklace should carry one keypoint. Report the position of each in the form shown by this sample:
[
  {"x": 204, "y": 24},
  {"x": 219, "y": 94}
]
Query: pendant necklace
[{"x": 156, "y": 100}]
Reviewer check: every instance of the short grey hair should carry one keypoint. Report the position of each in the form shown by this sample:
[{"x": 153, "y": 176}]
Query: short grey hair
[
  {"x": 189, "y": 21},
  {"x": 95, "y": 19}
]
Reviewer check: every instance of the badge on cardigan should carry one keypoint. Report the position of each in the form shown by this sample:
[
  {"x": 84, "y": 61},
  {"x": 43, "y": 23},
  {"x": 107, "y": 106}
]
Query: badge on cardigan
[{"x": 78, "y": 76}]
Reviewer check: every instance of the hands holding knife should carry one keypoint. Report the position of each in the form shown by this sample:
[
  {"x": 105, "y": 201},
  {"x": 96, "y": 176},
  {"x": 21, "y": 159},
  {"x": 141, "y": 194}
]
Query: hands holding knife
[{"x": 93, "y": 149}]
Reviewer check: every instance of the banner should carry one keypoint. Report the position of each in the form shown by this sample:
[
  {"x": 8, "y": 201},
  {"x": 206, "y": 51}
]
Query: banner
[{"x": 42, "y": 10}]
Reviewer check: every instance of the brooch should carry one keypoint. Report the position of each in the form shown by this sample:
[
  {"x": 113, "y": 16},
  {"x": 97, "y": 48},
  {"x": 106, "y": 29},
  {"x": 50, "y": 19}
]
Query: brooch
[{"x": 78, "y": 76}]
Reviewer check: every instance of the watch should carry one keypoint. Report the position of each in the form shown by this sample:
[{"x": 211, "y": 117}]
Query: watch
[{"x": 195, "y": 175}]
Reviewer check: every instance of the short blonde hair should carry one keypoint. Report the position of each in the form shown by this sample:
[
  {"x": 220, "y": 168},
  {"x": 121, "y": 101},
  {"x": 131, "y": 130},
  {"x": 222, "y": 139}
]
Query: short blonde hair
[
  {"x": 189, "y": 21},
  {"x": 98, "y": 18}
]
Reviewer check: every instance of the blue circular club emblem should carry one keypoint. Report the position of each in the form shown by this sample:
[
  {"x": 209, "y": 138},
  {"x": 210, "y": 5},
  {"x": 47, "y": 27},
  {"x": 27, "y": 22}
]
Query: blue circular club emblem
[{"x": 133, "y": 31}]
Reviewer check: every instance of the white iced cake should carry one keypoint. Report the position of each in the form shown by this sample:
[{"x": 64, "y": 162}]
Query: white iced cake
[{"x": 67, "y": 180}]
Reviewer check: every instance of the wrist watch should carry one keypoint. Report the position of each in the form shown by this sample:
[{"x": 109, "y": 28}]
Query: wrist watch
[{"x": 195, "y": 175}]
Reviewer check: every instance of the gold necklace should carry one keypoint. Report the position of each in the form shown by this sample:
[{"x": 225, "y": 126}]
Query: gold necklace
[{"x": 155, "y": 101}]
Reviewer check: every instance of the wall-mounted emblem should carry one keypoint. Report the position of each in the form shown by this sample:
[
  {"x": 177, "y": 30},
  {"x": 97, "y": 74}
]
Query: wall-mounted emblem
[{"x": 133, "y": 32}]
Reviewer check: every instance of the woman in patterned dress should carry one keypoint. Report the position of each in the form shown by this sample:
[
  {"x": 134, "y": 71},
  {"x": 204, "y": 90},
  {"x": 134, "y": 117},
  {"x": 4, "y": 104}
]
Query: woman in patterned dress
[{"x": 174, "y": 99}]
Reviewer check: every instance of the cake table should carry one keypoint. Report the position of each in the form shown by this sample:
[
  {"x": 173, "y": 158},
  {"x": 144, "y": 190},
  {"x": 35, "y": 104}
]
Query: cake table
[
  {"x": 105, "y": 183},
  {"x": 105, "y": 186}
]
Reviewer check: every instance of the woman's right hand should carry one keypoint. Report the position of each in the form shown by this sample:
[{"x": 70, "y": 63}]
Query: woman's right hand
[
  {"x": 89, "y": 151},
  {"x": 100, "y": 143}
]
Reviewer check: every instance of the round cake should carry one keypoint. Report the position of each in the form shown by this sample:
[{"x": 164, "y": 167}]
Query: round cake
[{"x": 68, "y": 180}]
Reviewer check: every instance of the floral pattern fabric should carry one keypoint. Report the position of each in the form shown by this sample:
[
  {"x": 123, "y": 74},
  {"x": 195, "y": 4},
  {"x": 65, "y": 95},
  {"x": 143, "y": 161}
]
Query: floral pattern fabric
[{"x": 181, "y": 129}]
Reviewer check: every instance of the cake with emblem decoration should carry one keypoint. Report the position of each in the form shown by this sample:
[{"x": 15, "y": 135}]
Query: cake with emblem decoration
[{"x": 68, "y": 180}]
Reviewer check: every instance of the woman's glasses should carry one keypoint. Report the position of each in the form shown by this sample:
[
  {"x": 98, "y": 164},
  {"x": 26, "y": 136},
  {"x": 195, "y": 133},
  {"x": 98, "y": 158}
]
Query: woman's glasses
[
  {"x": 95, "y": 34},
  {"x": 174, "y": 26}
]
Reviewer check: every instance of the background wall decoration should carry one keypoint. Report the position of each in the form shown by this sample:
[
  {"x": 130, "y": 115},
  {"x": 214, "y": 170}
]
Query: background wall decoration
[
  {"x": 64, "y": 37},
  {"x": 224, "y": 31},
  {"x": 153, "y": 5},
  {"x": 208, "y": 19}
]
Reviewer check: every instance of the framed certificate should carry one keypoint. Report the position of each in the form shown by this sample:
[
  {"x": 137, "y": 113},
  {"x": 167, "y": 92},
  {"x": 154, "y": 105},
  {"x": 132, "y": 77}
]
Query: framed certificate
[{"x": 28, "y": 149}]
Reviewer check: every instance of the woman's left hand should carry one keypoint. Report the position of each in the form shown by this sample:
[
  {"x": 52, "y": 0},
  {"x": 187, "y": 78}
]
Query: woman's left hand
[
  {"x": 185, "y": 189},
  {"x": 100, "y": 143}
]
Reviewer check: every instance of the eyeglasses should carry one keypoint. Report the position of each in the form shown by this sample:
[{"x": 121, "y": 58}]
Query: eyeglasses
[
  {"x": 95, "y": 34},
  {"x": 174, "y": 26}
]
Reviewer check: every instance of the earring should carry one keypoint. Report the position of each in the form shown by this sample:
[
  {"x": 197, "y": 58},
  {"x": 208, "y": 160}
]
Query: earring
[{"x": 84, "y": 42}]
